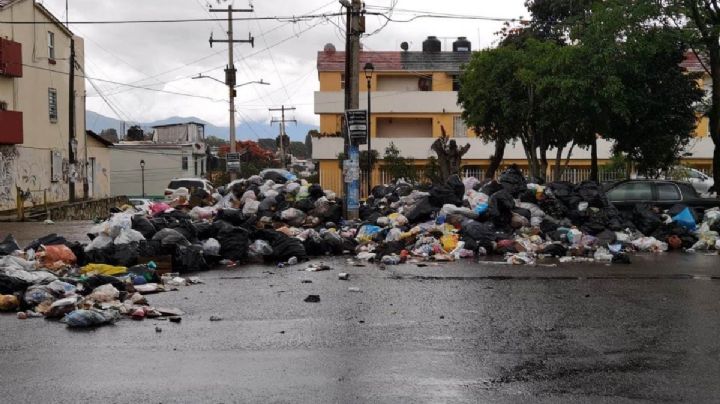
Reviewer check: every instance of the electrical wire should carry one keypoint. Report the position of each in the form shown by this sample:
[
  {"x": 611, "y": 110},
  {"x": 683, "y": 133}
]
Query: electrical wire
[{"x": 292, "y": 18}]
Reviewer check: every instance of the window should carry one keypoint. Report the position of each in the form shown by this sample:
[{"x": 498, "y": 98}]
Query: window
[
  {"x": 196, "y": 166},
  {"x": 52, "y": 105},
  {"x": 631, "y": 191},
  {"x": 342, "y": 81},
  {"x": 456, "y": 82},
  {"x": 184, "y": 163},
  {"x": 425, "y": 83},
  {"x": 51, "y": 45},
  {"x": 668, "y": 192},
  {"x": 460, "y": 129}
]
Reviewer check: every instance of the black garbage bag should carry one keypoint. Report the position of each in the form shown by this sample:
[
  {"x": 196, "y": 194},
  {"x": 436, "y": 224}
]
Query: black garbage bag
[
  {"x": 334, "y": 242},
  {"x": 9, "y": 245},
  {"x": 334, "y": 214},
  {"x": 189, "y": 259},
  {"x": 500, "y": 208},
  {"x": 645, "y": 219},
  {"x": 513, "y": 181},
  {"x": 482, "y": 234},
  {"x": 390, "y": 248},
  {"x": 667, "y": 230},
  {"x": 548, "y": 226},
  {"x": 553, "y": 207},
  {"x": 126, "y": 255},
  {"x": 380, "y": 191},
  {"x": 457, "y": 185},
  {"x": 564, "y": 192},
  {"x": 150, "y": 248},
  {"x": 489, "y": 187},
  {"x": 403, "y": 189},
  {"x": 268, "y": 207},
  {"x": 159, "y": 223},
  {"x": 233, "y": 216},
  {"x": 186, "y": 228},
  {"x": 105, "y": 255},
  {"x": 592, "y": 193},
  {"x": 555, "y": 250},
  {"x": 306, "y": 205},
  {"x": 315, "y": 246},
  {"x": 421, "y": 212},
  {"x": 284, "y": 247},
  {"x": 170, "y": 237},
  {"x": 606, "y": 237},
  {"x": 79, "y": 250},
  {"x": 316, "y": 192},
  {"x": 204, "y": 230},
  {"x": 275, "y": 177},
  {"x": 234, "y": 242},
  {"x": 443, "y": 194},
  {"x": 50, "y": 239},
  {"x": 522, "y": 212},
  {"x": 593, "y": 222},
  {"x": 529, "y": 196},
  {"x": 143, "y": 225},
  {"x": 10, "y": 285},
  {"x": 89, "y": 284}
]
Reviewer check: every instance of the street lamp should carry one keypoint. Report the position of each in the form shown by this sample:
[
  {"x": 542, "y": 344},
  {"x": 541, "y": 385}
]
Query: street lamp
[
  {"x": 142, "y": 171},
  {"x": 369, "y": 69}
]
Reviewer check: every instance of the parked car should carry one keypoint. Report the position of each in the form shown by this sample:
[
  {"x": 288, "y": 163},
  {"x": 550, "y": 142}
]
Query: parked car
[
  {"x": 699, "y": 180},
  {"x": 661, "y": 193},
  {"x": 190, "y": 183}
]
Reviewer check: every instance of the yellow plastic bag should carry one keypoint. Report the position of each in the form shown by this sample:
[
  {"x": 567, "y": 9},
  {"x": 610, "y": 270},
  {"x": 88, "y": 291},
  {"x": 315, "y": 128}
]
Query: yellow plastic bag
[
  {"x": 103, "y": 269},
  {"x": 449, "y": 242},
  {"x": 9, "y": 302}
]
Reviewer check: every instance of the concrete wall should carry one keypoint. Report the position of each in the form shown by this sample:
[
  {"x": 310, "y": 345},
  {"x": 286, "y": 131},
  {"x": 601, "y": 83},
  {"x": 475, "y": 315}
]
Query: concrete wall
[
  {"x": 28, "y": 165},
  {"x": 161, "y": 166},
  {"x": 440, "y": 102}
]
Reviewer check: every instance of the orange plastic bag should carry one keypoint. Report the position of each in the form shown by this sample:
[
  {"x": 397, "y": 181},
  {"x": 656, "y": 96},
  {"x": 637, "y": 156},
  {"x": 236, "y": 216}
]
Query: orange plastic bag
[{"x": 54, "y": 253}]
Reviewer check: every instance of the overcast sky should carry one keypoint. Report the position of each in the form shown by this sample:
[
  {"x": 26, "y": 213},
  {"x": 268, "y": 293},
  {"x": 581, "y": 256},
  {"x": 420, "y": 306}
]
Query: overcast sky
[{"x": 165, "y": 56}]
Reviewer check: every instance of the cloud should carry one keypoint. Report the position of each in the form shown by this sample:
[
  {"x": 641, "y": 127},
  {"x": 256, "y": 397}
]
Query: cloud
[{"x": 166, "y": 56}]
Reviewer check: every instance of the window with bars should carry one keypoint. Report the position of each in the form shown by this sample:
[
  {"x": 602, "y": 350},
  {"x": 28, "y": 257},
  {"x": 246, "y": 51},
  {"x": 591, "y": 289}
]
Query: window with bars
[
  {"x": 185, "y": 163},
  {"x": 52, "y": 105},
  {"x": 460, "y": 128}
]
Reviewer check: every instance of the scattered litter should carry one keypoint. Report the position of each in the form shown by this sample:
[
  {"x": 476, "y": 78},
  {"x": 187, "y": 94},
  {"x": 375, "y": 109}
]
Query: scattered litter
[
  {"x": 215, "y": 318},
  {"x": 343, "y": 276},
  {"x": 354, "y": 289},
  {"x": 312, "y": 299}
]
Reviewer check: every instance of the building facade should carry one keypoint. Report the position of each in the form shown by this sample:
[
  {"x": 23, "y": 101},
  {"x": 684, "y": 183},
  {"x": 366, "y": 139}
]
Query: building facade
[
  {"x": 414, "y": 99},
  {"x": 35, "y": 99},
  {"x": 177, "y": 151}
]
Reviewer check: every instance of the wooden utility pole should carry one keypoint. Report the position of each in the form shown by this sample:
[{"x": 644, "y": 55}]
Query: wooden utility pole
[
  {"x": 230, "y": 70},
  {"x": 282, "y": 120}
]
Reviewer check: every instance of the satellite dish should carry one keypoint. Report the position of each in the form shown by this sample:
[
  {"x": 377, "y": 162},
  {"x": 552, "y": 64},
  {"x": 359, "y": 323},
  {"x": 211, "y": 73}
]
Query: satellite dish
[{"x": 404, "y": 46}]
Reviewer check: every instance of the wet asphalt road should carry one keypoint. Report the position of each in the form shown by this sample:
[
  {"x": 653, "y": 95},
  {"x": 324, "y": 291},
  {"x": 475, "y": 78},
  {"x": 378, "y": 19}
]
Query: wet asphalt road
[{"x": 462, "y": 332}]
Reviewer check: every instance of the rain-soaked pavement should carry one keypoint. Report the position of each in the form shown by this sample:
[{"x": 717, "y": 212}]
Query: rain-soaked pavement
[{"x": 462, "y": 332}]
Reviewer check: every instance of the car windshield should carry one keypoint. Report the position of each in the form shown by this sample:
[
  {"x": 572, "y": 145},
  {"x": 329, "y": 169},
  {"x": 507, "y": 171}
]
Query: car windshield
[{"x": 189, "y": 184}]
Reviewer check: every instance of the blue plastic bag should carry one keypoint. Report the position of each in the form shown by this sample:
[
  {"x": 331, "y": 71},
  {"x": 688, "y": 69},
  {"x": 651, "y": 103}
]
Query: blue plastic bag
[
  {"x": 686, "y": 219},
  {"x": 481, "y": 208}
]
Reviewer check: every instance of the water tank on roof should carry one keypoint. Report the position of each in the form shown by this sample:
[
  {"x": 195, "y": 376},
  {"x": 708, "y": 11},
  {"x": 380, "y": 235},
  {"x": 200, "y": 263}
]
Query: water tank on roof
[
  {"x": 462, "y": 45},
  {"x": 432, "y": 44},
  {"x": 329, "y": 48}
]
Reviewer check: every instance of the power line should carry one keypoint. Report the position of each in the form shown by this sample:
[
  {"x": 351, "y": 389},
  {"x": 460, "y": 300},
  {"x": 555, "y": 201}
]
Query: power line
[{"x": 293, "y": 18}]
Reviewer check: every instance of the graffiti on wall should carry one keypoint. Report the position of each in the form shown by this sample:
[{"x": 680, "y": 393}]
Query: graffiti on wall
[{"x": 8, "y": 156}]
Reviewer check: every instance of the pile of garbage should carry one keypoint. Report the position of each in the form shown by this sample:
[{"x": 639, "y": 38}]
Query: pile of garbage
[
  {"x": 46, "y": 279},
  {"x": 281, "y": 220}
]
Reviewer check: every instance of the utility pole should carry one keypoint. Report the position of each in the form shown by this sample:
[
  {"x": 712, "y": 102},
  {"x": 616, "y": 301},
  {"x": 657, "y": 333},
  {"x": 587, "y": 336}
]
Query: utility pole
[
  {"x": 355, "y": 26},
  {"x": 72, "y": 141},
  {"x": 282, "y": 121},
  {"x": 231, "y": 71}
]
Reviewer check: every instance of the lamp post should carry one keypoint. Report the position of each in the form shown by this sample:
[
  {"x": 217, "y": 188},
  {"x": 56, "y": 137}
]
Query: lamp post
[
  {"x": 369, "y": 69},
  {"x": 142, "y": 175}
]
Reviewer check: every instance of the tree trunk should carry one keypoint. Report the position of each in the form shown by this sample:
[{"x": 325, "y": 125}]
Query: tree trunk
[
  {"x": 714, "y": 51},
  {"x": 594, "y": 160},
  {"x": 496, "y": 159},
  {"x": 558, "y": 167}
]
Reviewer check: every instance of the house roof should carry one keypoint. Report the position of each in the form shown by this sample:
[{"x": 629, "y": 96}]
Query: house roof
[
  {"x": 97, "y": 137},
  {"x": 4, "y": 3},
  {"x": 692, "y": 63},
  {"x": 178, "y": 124},
  {"x": 398, "y": 61}
]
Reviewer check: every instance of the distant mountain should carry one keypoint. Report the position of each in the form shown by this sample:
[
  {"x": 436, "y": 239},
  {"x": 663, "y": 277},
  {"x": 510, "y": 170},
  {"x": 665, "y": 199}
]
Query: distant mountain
[{"x": 245, "y": 131}]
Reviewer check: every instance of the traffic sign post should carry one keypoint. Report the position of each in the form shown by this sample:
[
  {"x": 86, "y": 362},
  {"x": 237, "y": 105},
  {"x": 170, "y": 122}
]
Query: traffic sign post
[
  {"x": 357, "y": 123},
  {"x": 233, "y": 162}
]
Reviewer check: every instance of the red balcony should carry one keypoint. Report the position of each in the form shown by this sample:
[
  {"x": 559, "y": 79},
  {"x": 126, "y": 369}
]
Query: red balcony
[
  {"x": 10, "y": 58},
  {"x": 11, "y": 127}
]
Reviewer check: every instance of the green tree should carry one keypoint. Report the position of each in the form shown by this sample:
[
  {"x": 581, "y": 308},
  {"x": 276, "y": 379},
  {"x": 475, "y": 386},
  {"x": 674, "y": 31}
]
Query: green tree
[{"x": 398, "y": 166}]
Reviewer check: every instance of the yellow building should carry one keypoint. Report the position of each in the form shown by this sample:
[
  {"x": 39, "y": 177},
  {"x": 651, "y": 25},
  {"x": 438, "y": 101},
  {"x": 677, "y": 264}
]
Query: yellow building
[
  {"x": 414, "y": 95},
  {"x": 34, "y": 111}
]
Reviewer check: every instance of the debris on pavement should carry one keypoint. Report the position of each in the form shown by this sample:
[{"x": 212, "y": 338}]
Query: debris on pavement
[{"x": 281, "y": 220}]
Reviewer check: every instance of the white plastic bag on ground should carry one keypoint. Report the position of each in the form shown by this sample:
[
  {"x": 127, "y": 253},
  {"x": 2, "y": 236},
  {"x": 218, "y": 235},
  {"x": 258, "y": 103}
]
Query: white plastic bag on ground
[
  {"x": 293, "y": 217},
  {"x": 650, "y": 244},
  {"x": 128, "y": 236},
  {"x": 211, "y": 247},
  {"x": 248, "y": 196},
  {"x": 292, "y": 187},
  {"x": 535, "y": 210},
  {"x": 200, "y": 213},
  {"x": 99, "y": 242},
  {"x": 118, "y": 222},
  {"x": 470, "y": 183}
]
